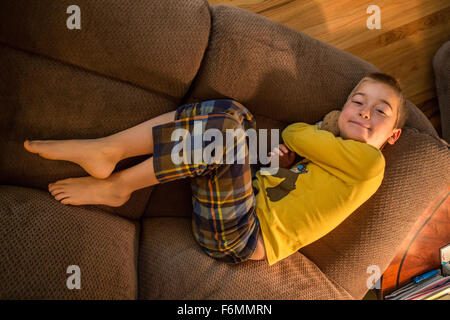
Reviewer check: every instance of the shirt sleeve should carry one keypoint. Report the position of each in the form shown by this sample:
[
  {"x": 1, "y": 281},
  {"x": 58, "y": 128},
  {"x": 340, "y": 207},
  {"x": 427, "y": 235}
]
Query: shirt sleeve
[{"x": 347, "y": 159}]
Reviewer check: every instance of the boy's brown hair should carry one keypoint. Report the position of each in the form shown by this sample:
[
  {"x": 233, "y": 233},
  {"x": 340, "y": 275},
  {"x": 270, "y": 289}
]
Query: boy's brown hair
[{"x": 387, "y": 79}]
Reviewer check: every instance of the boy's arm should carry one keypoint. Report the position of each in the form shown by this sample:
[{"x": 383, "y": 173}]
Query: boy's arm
[{"x": 348, "y": 160}]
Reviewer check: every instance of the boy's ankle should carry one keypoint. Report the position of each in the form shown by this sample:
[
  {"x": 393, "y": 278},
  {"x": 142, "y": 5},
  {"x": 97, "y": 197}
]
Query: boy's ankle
[
  {"x": 110, "y": 148},
  {"x": 119, "y": 183}
]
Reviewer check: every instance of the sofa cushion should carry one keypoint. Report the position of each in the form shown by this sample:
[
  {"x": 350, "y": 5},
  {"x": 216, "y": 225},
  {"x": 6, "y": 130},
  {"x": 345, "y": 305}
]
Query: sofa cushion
[
  {"x": 173, "y": 266},
  {"x": 157, "y": 45},
  {"x": 171, "y": 199},
  {"x": 42, "y": 99},
  {"x": 41, "y": 238}
]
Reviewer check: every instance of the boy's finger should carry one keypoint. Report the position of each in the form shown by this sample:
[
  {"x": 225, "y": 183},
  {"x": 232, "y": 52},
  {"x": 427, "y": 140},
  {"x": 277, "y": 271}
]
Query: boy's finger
[
  {"x": 283, "y": 147},
  {"x": 276, "y": 150}
]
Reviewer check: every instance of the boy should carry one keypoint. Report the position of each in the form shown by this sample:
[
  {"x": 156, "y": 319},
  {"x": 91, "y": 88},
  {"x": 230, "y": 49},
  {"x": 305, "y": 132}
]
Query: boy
[{"x": 237, "y": 218}]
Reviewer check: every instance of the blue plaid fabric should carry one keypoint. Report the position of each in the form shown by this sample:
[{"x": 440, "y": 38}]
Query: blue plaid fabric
[{"x": 224, "y": 220}]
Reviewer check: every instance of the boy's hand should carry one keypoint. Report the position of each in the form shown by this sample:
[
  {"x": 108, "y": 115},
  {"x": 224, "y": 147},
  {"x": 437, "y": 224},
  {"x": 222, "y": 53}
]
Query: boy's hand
[{"x": 286, "y": 156}]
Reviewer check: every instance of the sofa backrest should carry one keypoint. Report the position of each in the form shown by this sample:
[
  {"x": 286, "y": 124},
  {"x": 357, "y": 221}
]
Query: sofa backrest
[
  {"x": 155, "y": 45},
  {"x": 129, "y": 62}
]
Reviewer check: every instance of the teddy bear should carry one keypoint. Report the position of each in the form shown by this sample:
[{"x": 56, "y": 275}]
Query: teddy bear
[{"x": 330, "y": 122}]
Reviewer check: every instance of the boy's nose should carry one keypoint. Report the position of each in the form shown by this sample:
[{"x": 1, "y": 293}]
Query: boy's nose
[{"x": 365, "y": 113}]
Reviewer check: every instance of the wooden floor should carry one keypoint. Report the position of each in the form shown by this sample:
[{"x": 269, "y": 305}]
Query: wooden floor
[{"x": 411, "y": 33}]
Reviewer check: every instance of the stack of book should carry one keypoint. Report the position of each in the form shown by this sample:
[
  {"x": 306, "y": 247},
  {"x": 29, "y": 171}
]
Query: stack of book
[{"x": 434, "y": 287}]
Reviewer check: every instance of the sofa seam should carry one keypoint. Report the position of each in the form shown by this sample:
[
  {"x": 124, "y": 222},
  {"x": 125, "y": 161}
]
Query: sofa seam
[
  {"x": 87, "y": 70},
  {"x": 205, "y": 51}
]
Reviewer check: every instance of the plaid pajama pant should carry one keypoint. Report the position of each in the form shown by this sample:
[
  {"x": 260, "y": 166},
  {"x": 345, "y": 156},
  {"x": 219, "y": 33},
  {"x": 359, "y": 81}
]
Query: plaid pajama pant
[{"x": 224, "y": 221}]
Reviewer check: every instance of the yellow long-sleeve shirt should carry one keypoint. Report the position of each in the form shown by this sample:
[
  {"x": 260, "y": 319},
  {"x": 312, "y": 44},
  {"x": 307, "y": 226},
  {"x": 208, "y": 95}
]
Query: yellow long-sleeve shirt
[{"x": 299, "y": 205}]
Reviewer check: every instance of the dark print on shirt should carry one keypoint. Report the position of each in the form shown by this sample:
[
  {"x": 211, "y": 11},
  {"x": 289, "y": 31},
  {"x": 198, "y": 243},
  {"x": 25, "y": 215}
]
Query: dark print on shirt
[{"x": 288, "y": 184}]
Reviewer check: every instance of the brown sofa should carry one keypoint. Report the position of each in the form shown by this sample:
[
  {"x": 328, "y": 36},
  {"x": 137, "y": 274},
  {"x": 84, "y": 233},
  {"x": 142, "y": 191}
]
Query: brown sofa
[
  {"x": 441, "y": 70},
  {"x": 134, "y": 60}
]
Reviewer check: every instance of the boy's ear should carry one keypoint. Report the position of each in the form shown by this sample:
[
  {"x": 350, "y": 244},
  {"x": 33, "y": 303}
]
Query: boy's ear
[{"x": 330, "y": 122}]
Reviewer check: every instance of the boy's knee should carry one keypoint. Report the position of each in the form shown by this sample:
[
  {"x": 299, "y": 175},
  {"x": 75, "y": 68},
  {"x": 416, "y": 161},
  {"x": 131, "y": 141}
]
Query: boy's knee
[
  {"x": 233, "y": 129},
  {"x": 232, "y": 122}
]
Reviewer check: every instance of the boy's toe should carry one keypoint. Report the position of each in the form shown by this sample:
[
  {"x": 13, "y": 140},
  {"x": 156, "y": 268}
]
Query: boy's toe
[
  {"x": 61, "y": 196},
  {"x": 27, "y": 145},
  {"x": 54, "y": 192},
  {"x": 66, "y": 201}
]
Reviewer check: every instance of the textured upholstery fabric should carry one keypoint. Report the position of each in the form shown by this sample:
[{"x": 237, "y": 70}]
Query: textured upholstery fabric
[
  {"x": 172, "y": 266},
  {"x": 172, "y": 199},
  {"x": 418, "y": 120},
  {"x": 156, "y": 45},
  {"x": 441, "y": 66},
  {"x": 41, "y": 238}
]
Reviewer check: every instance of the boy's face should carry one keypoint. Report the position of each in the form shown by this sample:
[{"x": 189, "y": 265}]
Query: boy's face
[{"x": 369, "y": 115}]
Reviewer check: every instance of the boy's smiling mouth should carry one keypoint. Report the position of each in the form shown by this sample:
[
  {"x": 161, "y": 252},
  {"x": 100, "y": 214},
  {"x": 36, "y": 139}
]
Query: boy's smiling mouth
[{"x": 360, "y": 124}]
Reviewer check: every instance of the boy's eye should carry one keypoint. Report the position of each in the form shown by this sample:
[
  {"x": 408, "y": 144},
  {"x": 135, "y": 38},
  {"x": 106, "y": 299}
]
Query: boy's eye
[{"x": 379, "y": 110}]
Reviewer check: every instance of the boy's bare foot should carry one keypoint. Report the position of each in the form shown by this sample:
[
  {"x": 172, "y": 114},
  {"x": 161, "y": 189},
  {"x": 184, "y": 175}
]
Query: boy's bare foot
[
  {"x": 89, "y": 190},
  {"x": 95, "y": 156}
]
